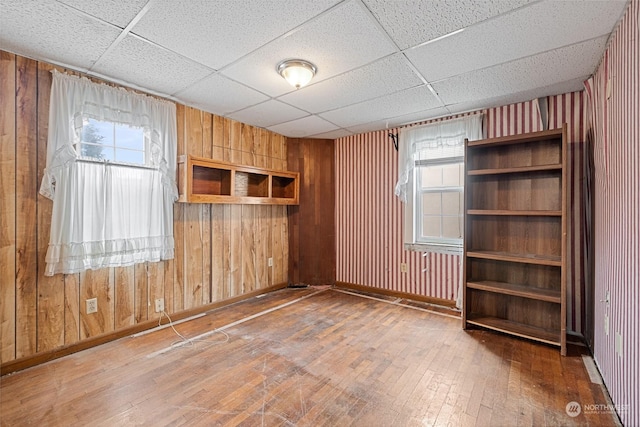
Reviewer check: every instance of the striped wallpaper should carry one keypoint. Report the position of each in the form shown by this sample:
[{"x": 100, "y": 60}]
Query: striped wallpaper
[
  {"x": 369, "y": 216},
  {"x": 614, "y": 95}
]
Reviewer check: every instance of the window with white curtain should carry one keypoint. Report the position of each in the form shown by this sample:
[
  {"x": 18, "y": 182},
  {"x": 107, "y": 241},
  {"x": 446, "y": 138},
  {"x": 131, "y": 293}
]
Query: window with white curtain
[
  {"x": 110, "y": 172},
  {"x": 431, "y": 183}
]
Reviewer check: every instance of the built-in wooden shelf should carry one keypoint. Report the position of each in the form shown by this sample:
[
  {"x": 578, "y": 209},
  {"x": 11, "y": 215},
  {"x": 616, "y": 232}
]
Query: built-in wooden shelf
[
  {"x": 202, "y": 180},
  {"x": 515, "y": 236}
]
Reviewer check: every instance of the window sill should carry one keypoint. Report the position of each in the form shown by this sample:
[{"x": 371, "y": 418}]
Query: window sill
[{"x": 435, "y": 248}]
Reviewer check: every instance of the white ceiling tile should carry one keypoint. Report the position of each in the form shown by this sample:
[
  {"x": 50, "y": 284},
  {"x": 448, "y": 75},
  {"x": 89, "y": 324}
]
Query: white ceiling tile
[
  {"x": 399, "y": 103},
  {"x": 534, "y": 29},
  {"x": 338, "y": 133},
  {"x": 411, "y": 22},
  {"x": 380, "y": 78},
  {"x": 268, "y": 114},
  {"x": 545, "y": 69},
  {"x": 136, "y": 61},
  {"x": 40, "y": 30},
  {"x": 394, "y": 122},
  {"x": 512, "y": 98},
  {"x": 418, "y": 116},
  {"x": 336, "y": 42},
  {"x": 510, "y": 51},
  {"x": 216, "y": 33},
  {"x": 116, "y": 12},
  {"x": 220, "y": 95},
  {"x": 310, "y": 125}
]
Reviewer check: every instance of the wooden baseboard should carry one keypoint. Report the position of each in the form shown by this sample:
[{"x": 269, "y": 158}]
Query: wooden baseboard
[
  {"x": 396, "y": 294},
  {"x": 39, "y": 358}
]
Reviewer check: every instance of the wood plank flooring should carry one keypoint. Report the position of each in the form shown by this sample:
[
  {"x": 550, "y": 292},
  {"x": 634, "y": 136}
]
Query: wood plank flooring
[{"x": 308, "y": 357}]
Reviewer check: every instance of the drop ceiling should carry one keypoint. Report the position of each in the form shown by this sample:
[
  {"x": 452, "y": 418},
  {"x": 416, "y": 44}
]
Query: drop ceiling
[{"x": 381, "y": 63}]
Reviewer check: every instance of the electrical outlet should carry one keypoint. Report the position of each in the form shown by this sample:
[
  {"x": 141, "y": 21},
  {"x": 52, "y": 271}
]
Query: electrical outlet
[
  {"x": 403, "y": 267},
  {"x": 270, "y": 262},
  {"x": 92, "y": 305},
  {"x": 159, "y": 305},
  {"x": 619, "y": 344}
]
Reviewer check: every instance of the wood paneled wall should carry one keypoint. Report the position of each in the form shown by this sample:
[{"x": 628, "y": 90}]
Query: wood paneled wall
[
  {"x": 221, "y": 251},
  {"x": 312, "y": 227}
]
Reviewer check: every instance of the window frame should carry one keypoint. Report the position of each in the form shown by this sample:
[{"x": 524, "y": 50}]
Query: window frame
[
  {"x": 413, "y": 212},
  {"x": 418, "y": 217},
  {"x": 146, "y": 141}
]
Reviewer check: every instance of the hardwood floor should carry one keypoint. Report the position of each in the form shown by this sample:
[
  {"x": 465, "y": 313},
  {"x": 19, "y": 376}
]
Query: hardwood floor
[{"x": 308, "y": 357}]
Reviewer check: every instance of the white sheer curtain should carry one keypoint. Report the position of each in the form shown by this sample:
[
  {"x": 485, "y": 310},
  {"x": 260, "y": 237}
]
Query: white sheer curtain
[
  {"x": 443, "y": 139},
  {"x": 104, "y": 214}
]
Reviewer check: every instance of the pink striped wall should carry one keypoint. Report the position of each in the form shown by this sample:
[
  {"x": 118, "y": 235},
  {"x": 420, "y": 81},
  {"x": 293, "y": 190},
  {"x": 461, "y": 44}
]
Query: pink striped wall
[
  {"x": 369, "y": 216},
  {"x": 616, "y": 129}
]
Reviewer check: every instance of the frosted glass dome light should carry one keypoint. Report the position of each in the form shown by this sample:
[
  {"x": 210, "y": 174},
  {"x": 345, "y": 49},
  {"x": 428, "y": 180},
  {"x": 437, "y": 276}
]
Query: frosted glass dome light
[{"x": 297, "y": 72}]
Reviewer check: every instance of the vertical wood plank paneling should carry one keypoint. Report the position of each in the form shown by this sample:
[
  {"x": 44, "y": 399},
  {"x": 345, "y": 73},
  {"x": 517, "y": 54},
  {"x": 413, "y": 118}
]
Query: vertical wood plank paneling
[
  {"x": 248, "y": 248},
  {"x": 96, "y": 284},
  {"x": 71, "y": 308},
  {"x": 7, "y": 206},
  {"x": 312, "y": 224},
  {"x": 280, "y": 229},
  {"x": 262, "y": 230},
  {"x": 26, "y": 195},
  {"x": 51, "y": 297},
  {"x": 218, "y": 273},
  {"x": 179, "y": 224},
  {"x": 219, "y": 270},
  {"x": 127, "y": 307},
  {"x": 155, "y": 278},
  {"x": 248, "y": 212},
  {"x": 207, "y": 151},
  {"x": 235, "y": 216},
  {"x": 614, "y": 99},
  {"x": 141, "y": 286},
  {"x": 193, "y": 218},
  {"x": 168, "y": 275},
  {"x": 46, "y": 313}
]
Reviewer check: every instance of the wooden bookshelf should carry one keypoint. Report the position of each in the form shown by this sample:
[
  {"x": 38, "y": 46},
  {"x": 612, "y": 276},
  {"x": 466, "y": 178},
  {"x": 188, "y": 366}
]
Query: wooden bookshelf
[
  {"x": 202, "y": 180},
  {"x": 515, "y": 236}
]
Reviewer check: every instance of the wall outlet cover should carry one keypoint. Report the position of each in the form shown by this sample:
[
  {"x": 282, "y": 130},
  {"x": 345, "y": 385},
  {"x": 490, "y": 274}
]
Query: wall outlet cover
[{"x": 92, "y": 305}]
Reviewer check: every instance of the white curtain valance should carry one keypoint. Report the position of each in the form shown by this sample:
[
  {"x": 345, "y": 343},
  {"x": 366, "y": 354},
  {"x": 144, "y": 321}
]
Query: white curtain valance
[
  {"x": 75, "y": 98},
  {"x": 104, "y": 214},
  {"x": 444, "y": 139}
]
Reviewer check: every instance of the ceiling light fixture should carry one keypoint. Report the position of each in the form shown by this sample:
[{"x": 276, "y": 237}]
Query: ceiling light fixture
[{"x": 297, "y": 72}]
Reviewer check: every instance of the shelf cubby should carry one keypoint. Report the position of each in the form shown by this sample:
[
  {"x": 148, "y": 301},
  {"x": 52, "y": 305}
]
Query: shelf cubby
[{"x": 202, "y": 180}]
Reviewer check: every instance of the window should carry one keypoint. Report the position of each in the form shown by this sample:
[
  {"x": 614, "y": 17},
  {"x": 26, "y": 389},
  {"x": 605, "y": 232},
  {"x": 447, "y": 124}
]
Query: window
[
  {"x": 431, "y": 183},
  {"x": 439, "y": 206},
  {"x": 113, "y": 142},
  {"x": 106, "y": 213}
]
